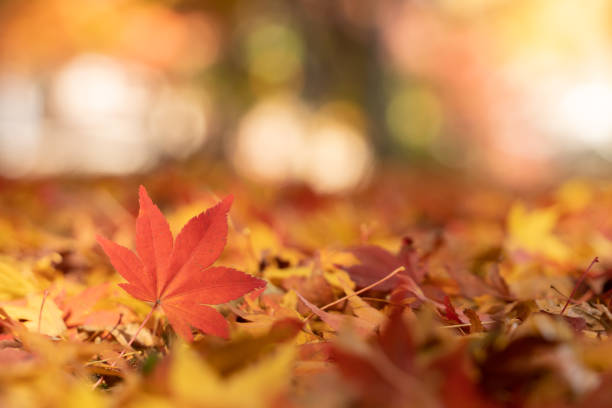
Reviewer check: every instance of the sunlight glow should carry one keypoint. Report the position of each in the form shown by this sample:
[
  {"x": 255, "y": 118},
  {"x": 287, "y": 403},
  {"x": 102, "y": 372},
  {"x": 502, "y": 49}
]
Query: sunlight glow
[
  {"x": 177, "y": 123},
  {"x": 271, "y": 141},
  {"x": 104, "y": 116},
  {"x": 585, "y": 112},
  {"x": 21, "y": 106},
  {"x": 92, "y": 89},
  {"x": 339, "y": 158},
  {"x": 281, "y": 141}
]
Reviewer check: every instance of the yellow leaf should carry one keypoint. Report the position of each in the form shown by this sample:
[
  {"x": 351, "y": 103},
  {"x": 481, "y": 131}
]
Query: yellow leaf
[
  {"x": 16, "y": 281},
  {"x": 339, "y": 279},
  {"x": 330, "y": 258},
  {"x": 276, "y": 274},
  {"x": 150, "y": 401},
  {"x": 360, "y": 307},
  {"x": 82, "y": 395},
  {"x": 51, "y": 323},
  {"x": 532, "y": 231},
  {"x": 45, "y": 265},
  {"x": 574, "y": 195},
  {"x": 195, "y": 382}
]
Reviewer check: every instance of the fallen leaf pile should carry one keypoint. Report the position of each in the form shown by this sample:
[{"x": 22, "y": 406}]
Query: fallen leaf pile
[{"x": 420, "y": 291}]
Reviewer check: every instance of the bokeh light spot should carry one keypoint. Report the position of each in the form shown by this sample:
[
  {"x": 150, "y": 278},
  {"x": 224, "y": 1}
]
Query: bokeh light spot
[
  {"x": 414, "y": 117},
  {"x": 274, "y": 53}
]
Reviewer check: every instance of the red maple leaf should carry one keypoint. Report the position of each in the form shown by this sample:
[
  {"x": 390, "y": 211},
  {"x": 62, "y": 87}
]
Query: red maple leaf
[{"x": 177, "y": 274}]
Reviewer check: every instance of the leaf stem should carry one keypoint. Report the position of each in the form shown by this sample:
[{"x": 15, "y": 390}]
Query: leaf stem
[
  {"x": 131, "y": 353},
  {"x": 108, "y": 333},
  {"x": 582, "y": 277},
  {"x": 142, "y": 325},
  {"x": 378, "y": 282},
  {"x": 455, "y": 326},
  {"x": 42, "y": 304}
]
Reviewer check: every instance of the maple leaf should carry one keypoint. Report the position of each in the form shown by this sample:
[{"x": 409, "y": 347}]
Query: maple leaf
[{"x": 177, "y": 274}]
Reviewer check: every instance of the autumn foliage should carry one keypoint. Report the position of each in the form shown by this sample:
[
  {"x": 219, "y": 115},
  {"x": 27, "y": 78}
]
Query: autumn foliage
[
  {"x": 177, "y": 275},
  {"x": 404, "y": 295}
]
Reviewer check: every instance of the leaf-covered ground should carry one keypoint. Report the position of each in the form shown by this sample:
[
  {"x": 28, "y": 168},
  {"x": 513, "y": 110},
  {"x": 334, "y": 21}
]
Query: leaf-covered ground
[{"x": 464, "y": 304}]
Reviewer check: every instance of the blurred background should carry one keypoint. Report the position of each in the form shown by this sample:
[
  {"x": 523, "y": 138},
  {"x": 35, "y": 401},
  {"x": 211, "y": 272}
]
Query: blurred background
[{"x": 312, "y": 92}]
